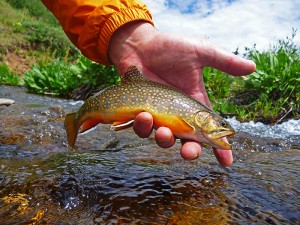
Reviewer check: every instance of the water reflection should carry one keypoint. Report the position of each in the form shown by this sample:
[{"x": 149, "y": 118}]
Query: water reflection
[
  {"x": 120, "y": 190},
  {"x": 117, "y": 178}
]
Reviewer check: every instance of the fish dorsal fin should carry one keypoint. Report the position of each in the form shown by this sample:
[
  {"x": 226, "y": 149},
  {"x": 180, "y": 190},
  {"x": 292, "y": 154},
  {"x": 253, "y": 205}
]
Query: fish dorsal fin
[{"x": 133, "y": 74}]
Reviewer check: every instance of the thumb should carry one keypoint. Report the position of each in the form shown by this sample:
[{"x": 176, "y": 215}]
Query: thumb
[
  {"x": 213, "y": 56},
  {"x": 202, "y": 97}
]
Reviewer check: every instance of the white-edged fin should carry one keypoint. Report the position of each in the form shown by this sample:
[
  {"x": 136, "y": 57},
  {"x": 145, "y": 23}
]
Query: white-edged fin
[
  {"x": 87, "y": 131},
  {"x": 121, "y": 126}
]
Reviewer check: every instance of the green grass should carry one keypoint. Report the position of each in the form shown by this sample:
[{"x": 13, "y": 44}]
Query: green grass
[
  {"x": 36, "y": 9},
  {"x": 7, "y": 77},
  {"x": 9, "y": 20},
  {"x": 28, "y": 24}
]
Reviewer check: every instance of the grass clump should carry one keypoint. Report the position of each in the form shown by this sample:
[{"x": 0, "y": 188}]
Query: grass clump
[
  {"x": 61, "y": 78},
  {"x": 7, "y": 77},
  {"x": 278, "y": 71},
  {"x": 269, "y": 94}
]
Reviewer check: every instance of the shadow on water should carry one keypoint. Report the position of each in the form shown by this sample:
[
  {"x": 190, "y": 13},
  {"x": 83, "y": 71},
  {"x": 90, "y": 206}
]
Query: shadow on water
[{"x": 117, "y": 178}]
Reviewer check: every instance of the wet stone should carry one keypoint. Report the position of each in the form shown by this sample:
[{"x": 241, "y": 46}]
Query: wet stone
[{"x": 6, "y": 101}]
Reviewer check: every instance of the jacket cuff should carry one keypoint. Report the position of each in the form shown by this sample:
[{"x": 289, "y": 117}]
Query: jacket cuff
[{"x": 113, "y": 23}]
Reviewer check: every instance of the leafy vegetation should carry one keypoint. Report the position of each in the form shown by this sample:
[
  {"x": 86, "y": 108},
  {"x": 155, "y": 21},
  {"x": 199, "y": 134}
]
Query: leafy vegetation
[
  {"x": 269, "y": 94},
  {"x": 59, "y": 77}
]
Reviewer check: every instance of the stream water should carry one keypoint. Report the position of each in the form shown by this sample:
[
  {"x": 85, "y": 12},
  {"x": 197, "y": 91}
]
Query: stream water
[{"x": 118, "y": 178}]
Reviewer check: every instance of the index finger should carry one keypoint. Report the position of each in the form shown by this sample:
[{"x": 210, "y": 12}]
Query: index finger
[{"x": 224, "y": 157}]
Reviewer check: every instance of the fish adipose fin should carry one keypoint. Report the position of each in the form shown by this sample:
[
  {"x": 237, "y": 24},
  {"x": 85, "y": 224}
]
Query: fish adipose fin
[
  {"x": 71, "y": 129},
  {"x": 121, "y": 125},
  {"x": 133, "y": 74}
]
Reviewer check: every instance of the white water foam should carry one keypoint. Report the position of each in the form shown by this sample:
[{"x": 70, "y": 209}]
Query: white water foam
[{"x": 283, "y": 130}]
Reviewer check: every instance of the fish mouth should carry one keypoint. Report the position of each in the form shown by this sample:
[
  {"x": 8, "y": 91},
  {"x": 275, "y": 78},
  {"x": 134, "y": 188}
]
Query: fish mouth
[{"x": 216, "y": 141}]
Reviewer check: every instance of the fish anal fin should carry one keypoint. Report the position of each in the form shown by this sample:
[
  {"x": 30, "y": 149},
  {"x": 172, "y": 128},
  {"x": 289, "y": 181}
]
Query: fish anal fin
[{"x": 120, "y": 125}]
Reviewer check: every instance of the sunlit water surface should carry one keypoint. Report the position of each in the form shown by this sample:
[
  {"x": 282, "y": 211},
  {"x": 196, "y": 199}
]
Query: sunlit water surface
[{"x": 117, "y": 178}]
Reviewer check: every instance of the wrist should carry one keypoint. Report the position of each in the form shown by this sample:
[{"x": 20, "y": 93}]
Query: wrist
[{"x": 127, "y": 40}]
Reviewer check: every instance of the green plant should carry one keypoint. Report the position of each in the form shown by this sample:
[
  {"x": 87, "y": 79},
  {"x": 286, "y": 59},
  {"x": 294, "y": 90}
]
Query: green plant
[
  {"x": 36, "y": 9},
  {"x": 278, "y": 71},
  {"x": 217, "y": 83},
  {"x": 43, "y": 36},
  {"x": 7, "y": 77},
  {"x": 56, "y": 78},
  {"x": 275, "y": 86},
  {"x": 59, "y": 77},
  {"x": 29, "y": 25},
  {"x": 95, "y": 74},
  {"x": 268, "y": 94}
]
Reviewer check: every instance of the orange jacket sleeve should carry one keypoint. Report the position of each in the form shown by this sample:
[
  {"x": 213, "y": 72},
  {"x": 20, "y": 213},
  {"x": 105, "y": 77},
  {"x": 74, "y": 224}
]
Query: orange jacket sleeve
[{"x": 89, "y": 24}]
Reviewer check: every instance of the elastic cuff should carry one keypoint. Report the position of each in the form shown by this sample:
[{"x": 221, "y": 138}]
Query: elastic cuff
[{"x": 115, "y": 22}]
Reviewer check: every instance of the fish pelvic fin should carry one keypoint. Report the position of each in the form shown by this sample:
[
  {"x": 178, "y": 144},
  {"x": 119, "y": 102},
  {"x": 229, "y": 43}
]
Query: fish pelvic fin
[
  {"x": 121, "y": 125},
  {"x": 71, "y": 129},
  {"x": 90, "y": 123}
]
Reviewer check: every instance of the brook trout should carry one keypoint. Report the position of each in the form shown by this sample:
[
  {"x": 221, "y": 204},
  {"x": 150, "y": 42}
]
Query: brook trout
[{"x": 118, "y": 105}]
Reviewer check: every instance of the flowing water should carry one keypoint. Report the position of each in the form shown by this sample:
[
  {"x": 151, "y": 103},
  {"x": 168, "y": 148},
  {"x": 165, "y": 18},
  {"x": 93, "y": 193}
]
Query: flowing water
[{"x": 118, "y": 178}]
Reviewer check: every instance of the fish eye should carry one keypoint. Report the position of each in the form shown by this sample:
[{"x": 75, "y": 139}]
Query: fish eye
[{"x": 223, "y": 123}]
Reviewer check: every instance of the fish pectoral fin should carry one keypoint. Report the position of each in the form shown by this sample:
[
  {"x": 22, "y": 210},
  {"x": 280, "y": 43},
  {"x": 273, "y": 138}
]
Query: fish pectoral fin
[
  {"x": 176, "y": 123},
  {"x": 120, "y": 125},
  {"x": 188, "y": 125},
  {"x": 182, "y": 129}
]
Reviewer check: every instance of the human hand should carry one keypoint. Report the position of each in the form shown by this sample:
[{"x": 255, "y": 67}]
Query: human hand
[{"x": 175, "y": 61}]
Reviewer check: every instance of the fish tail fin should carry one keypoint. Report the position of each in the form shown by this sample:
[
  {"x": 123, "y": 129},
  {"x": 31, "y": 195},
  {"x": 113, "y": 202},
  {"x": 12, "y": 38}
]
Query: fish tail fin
[{"x": 71, "y": 129}]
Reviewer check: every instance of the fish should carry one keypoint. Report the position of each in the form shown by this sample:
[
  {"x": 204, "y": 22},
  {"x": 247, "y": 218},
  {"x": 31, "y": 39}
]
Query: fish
[{"x": 119, "y": 104}]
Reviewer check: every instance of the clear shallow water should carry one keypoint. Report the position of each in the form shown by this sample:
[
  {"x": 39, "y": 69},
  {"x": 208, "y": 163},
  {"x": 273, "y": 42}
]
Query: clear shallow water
[{"x": 117, "y": 178}]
